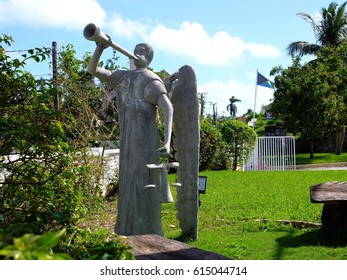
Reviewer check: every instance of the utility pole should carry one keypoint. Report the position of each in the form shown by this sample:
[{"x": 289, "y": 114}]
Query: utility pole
[
  {"x": 215, "y": 114},
  {"x": 55, "y": 74}
]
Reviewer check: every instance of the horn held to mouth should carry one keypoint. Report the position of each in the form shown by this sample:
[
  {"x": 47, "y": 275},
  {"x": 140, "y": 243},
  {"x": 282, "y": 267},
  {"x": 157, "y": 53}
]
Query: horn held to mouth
[{"x": 93, "y": 33}]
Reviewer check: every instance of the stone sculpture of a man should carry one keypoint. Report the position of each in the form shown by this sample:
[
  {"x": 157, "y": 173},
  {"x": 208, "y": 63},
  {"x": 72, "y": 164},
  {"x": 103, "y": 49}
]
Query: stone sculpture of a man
[{"x": 138, "y": 93}]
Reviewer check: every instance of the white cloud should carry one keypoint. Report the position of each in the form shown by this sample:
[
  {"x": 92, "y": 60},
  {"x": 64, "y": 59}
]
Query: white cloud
[
  {"x": 191, "y": 40},
  {"x": 262, "y": 50},
  {"x": 66, "y": 14},
  {"x": 219, "y": 92},
  {"x": 125, "y": 27}
]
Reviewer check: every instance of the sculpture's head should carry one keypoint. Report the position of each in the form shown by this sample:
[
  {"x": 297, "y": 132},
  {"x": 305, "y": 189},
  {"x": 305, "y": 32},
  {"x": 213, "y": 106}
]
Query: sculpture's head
[{"x": 144, "y": 52}]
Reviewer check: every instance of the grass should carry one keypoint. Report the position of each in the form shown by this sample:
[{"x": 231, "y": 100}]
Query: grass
[
  {"x": 235, "y": 201},
  {"x": 320, "y": 158}
]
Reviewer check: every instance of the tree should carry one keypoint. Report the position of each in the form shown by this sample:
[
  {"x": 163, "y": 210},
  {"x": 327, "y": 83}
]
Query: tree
[
  {"x": 232, "y": 107},
  {"x": 329, "y": 30},
  {"x": 88, "y": 119},
  {"x": 45, "y": 181},
  {"x": 210, "y": 139},
  {"x": 239, "y": 140},
  {"x": 306, "y": 99},
  {"x": 335, "y": 61}
]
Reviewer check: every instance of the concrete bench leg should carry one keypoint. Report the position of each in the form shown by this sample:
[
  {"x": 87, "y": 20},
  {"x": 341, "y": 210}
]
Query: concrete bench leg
[{"x": 334, "y": 218}]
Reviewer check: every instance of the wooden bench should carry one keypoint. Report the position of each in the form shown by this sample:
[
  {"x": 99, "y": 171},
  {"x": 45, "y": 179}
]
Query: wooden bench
[
  {"x": 155, "y": 247},
  {"x": 334, "y": 197}
]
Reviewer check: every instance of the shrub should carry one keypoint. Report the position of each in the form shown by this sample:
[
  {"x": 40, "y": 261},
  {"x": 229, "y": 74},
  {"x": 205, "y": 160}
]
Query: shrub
[
  {"x": 239, "y": 141},
  {"x": 34, "y": 247},
  {"x": 79, "y": 245},
  {"x": 47, "y": 181},
  {"x": 210, "y": 140},
  {"x": 84, "y": 244}
]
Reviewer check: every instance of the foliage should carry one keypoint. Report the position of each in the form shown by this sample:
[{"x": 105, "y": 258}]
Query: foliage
[
  {"x": 46, "y": 181},
  {"x": 210, "y": 146},
  {"x": 89, "y": 114},
  {"x": 262, "y": 121},
  {"x": 301, "y": 100},
  {"x": 35, "y": 247},
  {"x": 330, "y": 30},
  {"x": 96, "y": 245},
  {"x": 311, "y": 98},
  {"x": 335, "y": 61},
  {"x": 239, "y": 141},
  {"x": 226, "y": 145},
  {"x": 77, "y": 244},
  {"x": 88, "y": 110},
  {"x": 49, "y": 178},
  {"x": 250, "y": 114}
]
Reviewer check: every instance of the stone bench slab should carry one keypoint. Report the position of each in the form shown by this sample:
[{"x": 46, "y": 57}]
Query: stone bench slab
[
  {"x": 155, "y": 247},
  {"x": 329, "y": 192}
]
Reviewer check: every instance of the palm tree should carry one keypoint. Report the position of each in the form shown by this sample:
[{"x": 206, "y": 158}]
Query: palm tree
[
  {"x": 329, "y": 30},
  {"x": 232, "y": 107}
]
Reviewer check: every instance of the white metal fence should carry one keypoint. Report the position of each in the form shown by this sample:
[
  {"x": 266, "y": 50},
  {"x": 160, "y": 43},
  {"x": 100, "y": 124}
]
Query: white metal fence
[{"x": 273, "y": 153}]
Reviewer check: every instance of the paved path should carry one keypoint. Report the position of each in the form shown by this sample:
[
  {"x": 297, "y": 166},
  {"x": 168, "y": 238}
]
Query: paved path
[{"x": 323, "y": 166}]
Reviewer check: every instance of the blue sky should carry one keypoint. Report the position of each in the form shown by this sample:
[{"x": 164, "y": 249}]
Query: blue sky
[{"x": 226, "y": 41}]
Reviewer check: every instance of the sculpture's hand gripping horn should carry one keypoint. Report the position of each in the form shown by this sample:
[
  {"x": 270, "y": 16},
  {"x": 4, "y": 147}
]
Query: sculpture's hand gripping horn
[{"x": 93, "y": 33}]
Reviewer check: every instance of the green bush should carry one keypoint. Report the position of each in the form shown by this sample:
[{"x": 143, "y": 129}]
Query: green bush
[
  {"x": 47, "y": 181},
  {"x": 226, "y": 145},
  {"x": 210, "y": 145},
  {"x": 34, "y": 247},
  {"x": 239, "y": 141},
  {"x": 84, "y": 244},
  {"x": 79, "y": 245}
]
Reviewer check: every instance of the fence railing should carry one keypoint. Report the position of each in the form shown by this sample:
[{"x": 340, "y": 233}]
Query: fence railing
[{"x": 273, "y": 153}]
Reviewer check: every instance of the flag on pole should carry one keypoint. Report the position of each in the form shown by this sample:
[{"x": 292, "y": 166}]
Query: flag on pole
[{"x": 264, "y": 82}]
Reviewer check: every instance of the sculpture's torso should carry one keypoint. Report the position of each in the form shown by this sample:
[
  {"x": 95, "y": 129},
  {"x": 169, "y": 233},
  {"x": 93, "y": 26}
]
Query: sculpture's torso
[{"x": 138, "y": 209}]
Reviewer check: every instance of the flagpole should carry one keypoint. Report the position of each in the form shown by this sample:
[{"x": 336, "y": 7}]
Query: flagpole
[{"x": 255, "y": 99}]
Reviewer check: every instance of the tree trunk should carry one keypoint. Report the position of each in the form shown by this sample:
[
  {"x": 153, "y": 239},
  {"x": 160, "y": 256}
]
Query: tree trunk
[
  {"x": 236, "y": 157},
  {"x": 340, "y": 136},
  {"x": 234, "y": 168},
  {"x": 311, "y": 149}
]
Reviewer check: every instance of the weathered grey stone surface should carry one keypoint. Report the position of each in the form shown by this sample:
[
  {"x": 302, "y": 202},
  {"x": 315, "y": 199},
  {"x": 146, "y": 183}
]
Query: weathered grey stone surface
[
  {"x": 154, "y": 247},
  {"x": 334, "y": 214},
  {"x": 186, "y": 145},
  {"x": 138, "y": 209},
  {"x": 138, "y": 93}
]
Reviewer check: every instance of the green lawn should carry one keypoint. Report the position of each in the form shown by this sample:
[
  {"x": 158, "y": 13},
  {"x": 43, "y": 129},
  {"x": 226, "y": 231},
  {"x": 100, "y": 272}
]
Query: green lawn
[
  {"x": 233, "y": 203},
  {"x": 320, "y": 158}
]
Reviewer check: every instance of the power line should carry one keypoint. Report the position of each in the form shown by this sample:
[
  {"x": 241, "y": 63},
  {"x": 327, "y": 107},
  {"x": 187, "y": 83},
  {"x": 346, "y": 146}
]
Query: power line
[
  {"x": 12, "y": 51},
  {"x": 36, "y": 75},
  {"x": 27, "y": 50}
]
